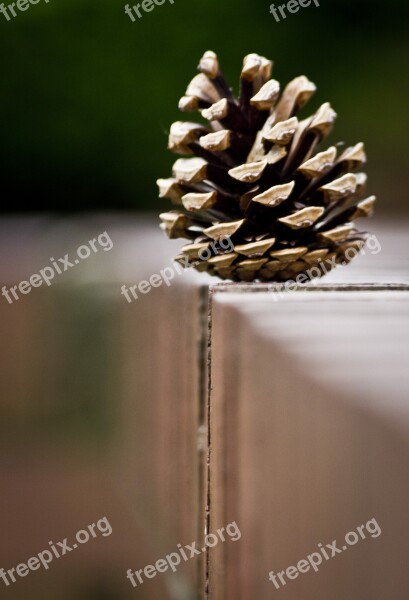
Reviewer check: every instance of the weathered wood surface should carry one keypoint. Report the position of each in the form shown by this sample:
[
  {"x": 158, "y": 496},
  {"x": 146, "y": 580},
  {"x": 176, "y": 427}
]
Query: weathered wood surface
[
  {"x": 100, "y": 412},
  {"x": 309, "y": 409},
  {"x": 104, "y": 410}
]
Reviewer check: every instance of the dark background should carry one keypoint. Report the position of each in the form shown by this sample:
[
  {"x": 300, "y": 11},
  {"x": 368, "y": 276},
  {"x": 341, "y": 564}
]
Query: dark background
[{"x": 87, "y": 96}]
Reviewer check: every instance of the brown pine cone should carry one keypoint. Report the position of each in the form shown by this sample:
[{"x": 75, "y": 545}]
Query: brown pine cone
[{"x": 253, "y": 177}]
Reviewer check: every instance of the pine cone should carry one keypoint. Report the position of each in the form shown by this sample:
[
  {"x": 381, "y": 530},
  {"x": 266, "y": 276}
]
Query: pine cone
[{"x": 254, "y": 175}]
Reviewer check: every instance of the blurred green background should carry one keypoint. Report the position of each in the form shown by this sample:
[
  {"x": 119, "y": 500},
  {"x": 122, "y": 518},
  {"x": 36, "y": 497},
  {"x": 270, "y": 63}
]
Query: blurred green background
[{"x": 88, "y": 96}]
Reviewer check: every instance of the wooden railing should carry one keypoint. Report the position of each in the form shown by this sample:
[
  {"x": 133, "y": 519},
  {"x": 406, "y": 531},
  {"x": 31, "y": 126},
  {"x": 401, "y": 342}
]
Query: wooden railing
[{"x": 200, "y": 404}]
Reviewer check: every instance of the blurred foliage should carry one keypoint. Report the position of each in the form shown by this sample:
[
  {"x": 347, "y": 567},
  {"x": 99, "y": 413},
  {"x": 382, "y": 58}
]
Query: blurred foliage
[{"x": 87, "y": 95}]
